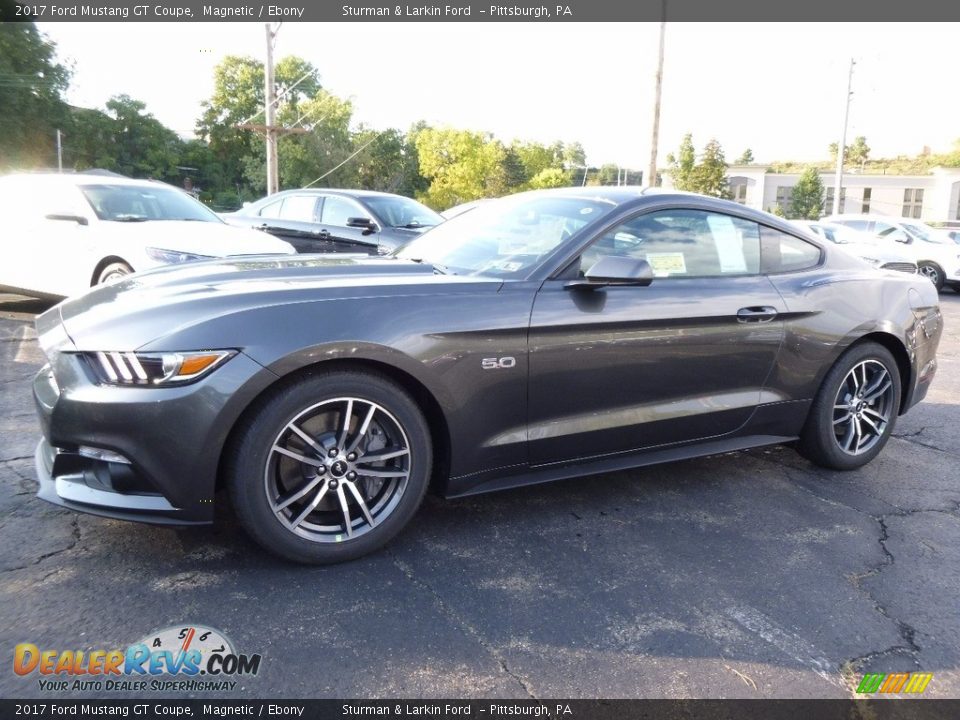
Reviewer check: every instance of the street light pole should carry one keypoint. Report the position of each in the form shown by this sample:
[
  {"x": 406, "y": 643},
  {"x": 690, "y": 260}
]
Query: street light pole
[
  {"x": 651, "y": 179},
  {"x": 842, "y": 147}
]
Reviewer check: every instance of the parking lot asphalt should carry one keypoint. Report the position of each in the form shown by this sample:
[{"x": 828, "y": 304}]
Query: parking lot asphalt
[{"x": 753, "y": 574}]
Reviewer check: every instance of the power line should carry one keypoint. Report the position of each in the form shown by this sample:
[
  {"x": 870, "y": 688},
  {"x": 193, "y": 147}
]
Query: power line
[{"x": 351, "y": 157}]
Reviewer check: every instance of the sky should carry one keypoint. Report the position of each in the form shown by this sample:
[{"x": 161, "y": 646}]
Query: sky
[{"x": 777, "y": 88}]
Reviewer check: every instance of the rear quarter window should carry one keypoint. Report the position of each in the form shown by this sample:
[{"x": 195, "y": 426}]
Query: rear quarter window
[{"x": 781, "y": 252}]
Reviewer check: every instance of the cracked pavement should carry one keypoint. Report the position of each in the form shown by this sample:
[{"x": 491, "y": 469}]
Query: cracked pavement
[{"x": 752, "y": 574}]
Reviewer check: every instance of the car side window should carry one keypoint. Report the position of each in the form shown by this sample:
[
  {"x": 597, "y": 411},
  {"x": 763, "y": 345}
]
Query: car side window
[
  {"x": 889, "y": 232},
  {"x": 301, "y": 208},
  {"x": 783, "y": 252},
  {"x": 272, "y": 210},
  {"x": 336, "y": 210},
  {"x": 859, "y": 225},
  {"x": 683, "y": 243}
]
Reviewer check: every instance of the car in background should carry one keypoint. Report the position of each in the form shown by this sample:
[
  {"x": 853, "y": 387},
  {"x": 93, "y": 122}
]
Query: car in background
[
  {"x": 63, "y": 234},
  {"x": 936, "y": 256},
  {"x": 860, "y": 245},
  {"x": 345, "y": 221}
]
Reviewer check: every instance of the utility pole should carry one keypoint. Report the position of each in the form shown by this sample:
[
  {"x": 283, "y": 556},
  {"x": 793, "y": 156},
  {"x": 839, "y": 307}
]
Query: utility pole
[
  {"x": 270, "y": 114},
  {"x": 59, "y": 152},
  {"x": 842, "y": 147},
  {"x": 651, "y": 179}
]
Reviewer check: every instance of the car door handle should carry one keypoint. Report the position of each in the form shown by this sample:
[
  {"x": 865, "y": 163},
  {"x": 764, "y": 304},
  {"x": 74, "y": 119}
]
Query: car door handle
[
  {"x": 322, "y": 233},
  {"x": 756, "y": 314}
]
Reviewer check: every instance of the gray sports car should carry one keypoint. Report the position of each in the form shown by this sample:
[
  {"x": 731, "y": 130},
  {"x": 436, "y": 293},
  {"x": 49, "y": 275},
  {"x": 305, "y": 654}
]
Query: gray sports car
[{"x": 541, "y": 336}]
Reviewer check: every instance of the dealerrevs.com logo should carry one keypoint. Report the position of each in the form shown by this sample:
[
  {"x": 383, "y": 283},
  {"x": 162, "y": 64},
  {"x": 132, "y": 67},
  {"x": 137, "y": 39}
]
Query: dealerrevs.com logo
[{"x": 187, "y": 658}]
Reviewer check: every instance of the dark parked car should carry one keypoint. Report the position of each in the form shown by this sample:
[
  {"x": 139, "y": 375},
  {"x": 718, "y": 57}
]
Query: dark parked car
[
  {"x": 347, "y": 221},
  {"x": 547, "y": 335}
]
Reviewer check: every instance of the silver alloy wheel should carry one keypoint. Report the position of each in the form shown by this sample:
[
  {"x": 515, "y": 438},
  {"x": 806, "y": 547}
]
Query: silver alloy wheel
[
  {"x": 337, "y": 470},
  {"x": 111, "y": 276},
  {"x": 930, "y": 272},
  {"x": 863, "y": 407}
]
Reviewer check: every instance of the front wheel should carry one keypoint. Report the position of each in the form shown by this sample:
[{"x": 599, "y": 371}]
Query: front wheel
[
  {"x": 330, "y": 467},
  {"x": 933, "y": 273},
  {"x": 114, "y": 271},
  {"x": 855, "y": 410}
]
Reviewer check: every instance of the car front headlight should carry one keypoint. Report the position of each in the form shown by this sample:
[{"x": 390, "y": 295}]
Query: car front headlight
[
  {"x": 151, "y": 369},
  {"x": 173, "y": 257}
]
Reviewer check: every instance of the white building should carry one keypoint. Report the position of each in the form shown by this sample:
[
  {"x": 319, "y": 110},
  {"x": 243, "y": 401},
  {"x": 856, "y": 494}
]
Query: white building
[{"x": 931, "y": 198}]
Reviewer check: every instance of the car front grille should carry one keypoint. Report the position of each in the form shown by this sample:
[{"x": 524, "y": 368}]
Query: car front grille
[{"x": 901, "y": 267}]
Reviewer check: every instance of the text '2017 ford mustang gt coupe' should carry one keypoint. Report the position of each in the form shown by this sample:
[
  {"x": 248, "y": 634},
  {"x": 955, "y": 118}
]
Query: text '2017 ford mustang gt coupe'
[{"x": 541, "y": 336}]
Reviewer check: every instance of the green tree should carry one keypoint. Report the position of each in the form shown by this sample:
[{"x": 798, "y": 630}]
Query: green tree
[
  {"x": 145, "y": 147},
  {"x": 859, "y": 151},
  {"x": 461, "y": 165},
  {"x": 89, "y": 142},
  {"x": 551, "y": 177},
  {"x": 746, "y": 157},
  {"x": 238, "y": 87},
  {"x": 707, "y": 177},
  {"x": 683, "y": 165},
  {"x": 710, "y": 175},
  {"x": 32, "y": 107},
  {"x": 807, "y": 199}
]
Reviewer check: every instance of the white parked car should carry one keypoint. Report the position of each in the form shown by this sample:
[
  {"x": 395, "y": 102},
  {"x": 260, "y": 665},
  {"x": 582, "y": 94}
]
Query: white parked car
[
  {"x": 62, "y": 234},
  {"x": 866, "y": 247},
  {"x": 937, "y": 257}
]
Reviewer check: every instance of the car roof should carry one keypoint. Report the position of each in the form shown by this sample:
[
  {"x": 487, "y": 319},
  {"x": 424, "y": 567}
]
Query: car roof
[
  {"x": 82, "y": 179},
  {"x": 332, "y": 191}
]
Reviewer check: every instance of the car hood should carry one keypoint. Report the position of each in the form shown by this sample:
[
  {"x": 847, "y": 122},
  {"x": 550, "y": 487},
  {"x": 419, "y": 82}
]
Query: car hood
[
  {"x": 868, "y": 250},
  {"x": 212, "y": 239},
  {"x": 130, "y": 313}
]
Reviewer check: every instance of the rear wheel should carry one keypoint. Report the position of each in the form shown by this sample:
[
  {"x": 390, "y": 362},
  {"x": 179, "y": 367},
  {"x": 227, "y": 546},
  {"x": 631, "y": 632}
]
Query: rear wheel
[
  {"x": 933, "y": 273},
  {"x": 331, "y": 467},
  {"x": 855, "y": 410},
  {"x": 114, "y": 271}
]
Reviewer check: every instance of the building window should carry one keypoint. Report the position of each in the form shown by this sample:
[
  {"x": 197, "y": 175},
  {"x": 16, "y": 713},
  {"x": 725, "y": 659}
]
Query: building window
[
  {"x": 865, "y": 205},
  {"x": 958, "y": 213},
  {"x": 828, "y": 201},
  {"x": 784, "y": 197},
  {"x": 912, "y": 202},
  {"x": 739, "y": 193}
]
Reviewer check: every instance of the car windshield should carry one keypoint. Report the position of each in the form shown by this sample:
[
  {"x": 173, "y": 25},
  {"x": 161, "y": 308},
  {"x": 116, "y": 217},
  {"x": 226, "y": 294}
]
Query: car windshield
[
  {"x": 402, "y": 212},
  {"x": 505, "y": 238},
  {"x": 925, "y": 233},
  {"x": 140, "y": 203}
]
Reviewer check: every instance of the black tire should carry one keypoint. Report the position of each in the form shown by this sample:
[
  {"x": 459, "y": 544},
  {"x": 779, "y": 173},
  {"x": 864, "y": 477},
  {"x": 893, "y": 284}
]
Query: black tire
[
  {"x": 253, "y": 469},
  {"x": 113, "y": 271},
  {"x": 819, "y": 441},
  {"x": 932, "y": 272}
]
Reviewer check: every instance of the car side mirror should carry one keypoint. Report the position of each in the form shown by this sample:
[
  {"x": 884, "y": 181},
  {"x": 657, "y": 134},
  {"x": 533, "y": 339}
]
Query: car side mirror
[
  {"x": 614, "y": 270},
  {"x": 366, "y": 224},
  {"x": 78, "y": 219}
]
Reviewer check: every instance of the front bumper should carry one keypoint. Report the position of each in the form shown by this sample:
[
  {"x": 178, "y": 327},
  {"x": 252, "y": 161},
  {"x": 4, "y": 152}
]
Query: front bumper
[{"x": 172, "y": 439}]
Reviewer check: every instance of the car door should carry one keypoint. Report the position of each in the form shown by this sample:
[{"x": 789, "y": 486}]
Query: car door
[
  {"x": 52, "y": 253},
  {"x": 618, "y": 369},
  {"x": 337, "y": 210},
  {"x": 294, "y": 218}
]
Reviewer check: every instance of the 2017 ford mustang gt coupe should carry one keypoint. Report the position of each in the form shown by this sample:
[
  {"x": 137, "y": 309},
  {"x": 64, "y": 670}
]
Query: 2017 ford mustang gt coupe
[{"x": 546, "y": 335}]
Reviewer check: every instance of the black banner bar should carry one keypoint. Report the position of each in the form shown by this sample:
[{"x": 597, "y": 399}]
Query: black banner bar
[
  {"x": 877, "y": 709},
  {"x": 537, "y": 11}
]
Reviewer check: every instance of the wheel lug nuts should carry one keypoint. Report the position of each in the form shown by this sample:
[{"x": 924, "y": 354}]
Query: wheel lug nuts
[
  {"x": 351, "y": 457},
  {"x": 351, "y": 476},
  {"x": 333, "y": 452}
]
